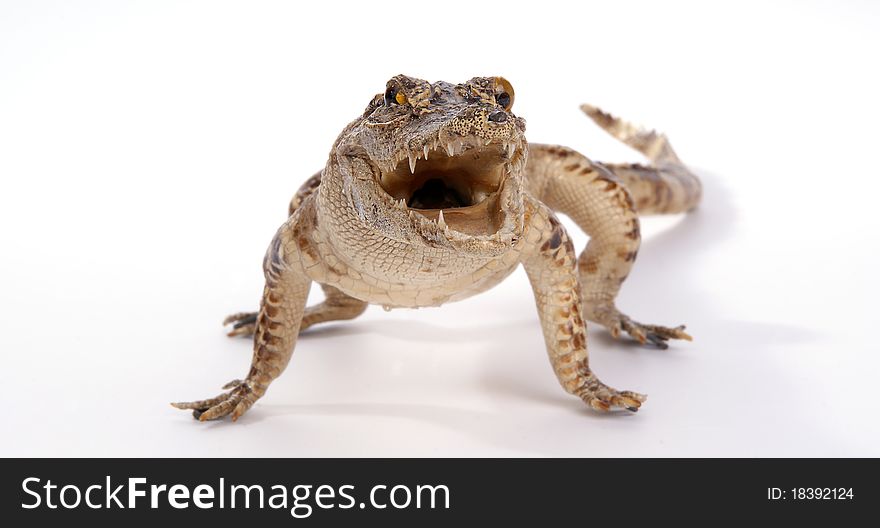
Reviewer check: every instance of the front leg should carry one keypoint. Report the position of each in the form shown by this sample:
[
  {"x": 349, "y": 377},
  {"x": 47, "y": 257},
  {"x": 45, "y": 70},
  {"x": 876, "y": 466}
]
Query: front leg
[
  {"x": 277, "y": 326},
  {"x": 551, "y": 264}
]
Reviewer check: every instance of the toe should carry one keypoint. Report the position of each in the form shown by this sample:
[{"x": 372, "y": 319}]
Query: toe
[
  {"x": 232, "y": 384},
  {"x": 615, "y": 331},
  {"x": 641, "y": 398},
  {"x": 630, "y": 404},
  {"x": 242, "y": 330},
  {"x": 681, "y": 334},
  {"x": 600, "y": 405},
  {"x": 219, "y": 411},
  {"x": 241, "y": 408},
  {"x": 240, "y": 318}
]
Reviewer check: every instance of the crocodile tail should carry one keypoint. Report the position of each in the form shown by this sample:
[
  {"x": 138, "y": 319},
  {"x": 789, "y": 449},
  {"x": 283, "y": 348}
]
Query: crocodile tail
[{"x": 664, "y": 186}]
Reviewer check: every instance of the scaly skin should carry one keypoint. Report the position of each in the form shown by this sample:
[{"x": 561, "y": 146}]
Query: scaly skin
[{"x": 434, "y": 195}]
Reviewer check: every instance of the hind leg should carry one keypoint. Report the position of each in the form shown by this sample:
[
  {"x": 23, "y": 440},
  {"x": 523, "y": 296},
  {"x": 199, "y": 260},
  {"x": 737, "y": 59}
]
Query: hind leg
[
  {"x": 599, "y": 203},
  {"x": 336, "y": 306}
]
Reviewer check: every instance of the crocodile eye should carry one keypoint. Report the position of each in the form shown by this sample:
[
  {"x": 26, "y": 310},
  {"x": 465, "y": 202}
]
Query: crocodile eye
[
  {"x": 503, "y": 93},
  {"x": 392, "y": 95},
  {"x": 503, "y": 99}
]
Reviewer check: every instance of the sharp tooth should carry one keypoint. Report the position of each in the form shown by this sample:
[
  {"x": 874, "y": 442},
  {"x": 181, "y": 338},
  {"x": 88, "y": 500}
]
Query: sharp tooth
[
  {"x": 412, "y": 164},
  {"x": 459, "y": 145},
  {"x": 440, "y": 221},
  {"x": 511, "y": 148},
  {"x": 450, "y": 149},
  {"x": 425, "y": 150},
  {"x": 487, "y": 141},
  {"x": 402, "y": 204}
]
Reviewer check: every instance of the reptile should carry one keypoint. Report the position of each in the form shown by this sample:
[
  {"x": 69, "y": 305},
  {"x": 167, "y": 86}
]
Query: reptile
[{"x": 433, "y": 195}]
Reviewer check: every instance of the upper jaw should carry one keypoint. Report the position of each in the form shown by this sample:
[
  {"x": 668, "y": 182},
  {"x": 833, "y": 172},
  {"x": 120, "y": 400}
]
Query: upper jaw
[{"x": 446, "y": 145}]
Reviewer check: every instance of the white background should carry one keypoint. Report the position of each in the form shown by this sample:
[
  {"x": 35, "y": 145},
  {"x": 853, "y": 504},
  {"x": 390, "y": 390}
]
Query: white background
[{"x": 148, "y": 151}]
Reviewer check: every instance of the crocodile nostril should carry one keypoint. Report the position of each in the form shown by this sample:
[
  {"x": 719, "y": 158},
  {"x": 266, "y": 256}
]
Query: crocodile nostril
[{"x": 498, "y": 117}]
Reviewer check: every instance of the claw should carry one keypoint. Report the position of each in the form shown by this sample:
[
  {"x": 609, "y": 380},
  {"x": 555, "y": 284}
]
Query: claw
[
  {"x": 657, "y": 340},
  {"x": 243, "y": 323},
  {"x": 236, "y": 402}
]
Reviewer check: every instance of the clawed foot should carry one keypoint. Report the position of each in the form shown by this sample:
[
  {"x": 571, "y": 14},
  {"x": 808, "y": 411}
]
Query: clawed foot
[
  {"x": 656, "y": 335},
  {"x": 603, "y": 398},
  {"x": 617, "y": 322},
  {"x": 236, "y": 402},
  {"x": 243, "y": 323}
]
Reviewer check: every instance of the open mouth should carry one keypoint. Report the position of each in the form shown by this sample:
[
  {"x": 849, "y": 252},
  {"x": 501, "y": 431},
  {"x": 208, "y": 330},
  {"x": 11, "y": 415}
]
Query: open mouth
[{"x": 453, "y": 184}]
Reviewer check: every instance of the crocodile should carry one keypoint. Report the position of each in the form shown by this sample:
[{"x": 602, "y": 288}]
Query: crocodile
[{"x": 433, "y": 195}]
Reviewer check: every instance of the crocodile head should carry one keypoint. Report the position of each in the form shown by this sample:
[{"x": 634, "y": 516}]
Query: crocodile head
[{"x": 446, "y": 159}]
